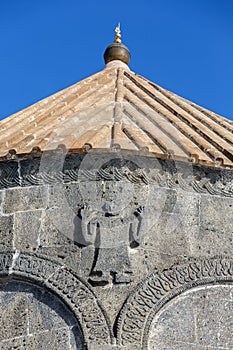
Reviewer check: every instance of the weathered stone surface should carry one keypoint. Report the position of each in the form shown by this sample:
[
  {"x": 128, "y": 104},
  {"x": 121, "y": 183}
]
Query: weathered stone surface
[
  {"x": 32, "y": 318},
  {"x": 56, "y": 238},
  {"x": 197, "y": 319},
  {"x": 27, "y": 230},
  {"x": 1, "y": 199},
  {"x": 216, "y": 226},
  {"x": 6, "y": 232},
  {"x": 64, "y": 196},
  {"x": 66, "y": 286},
  {"x": 159, "y": 290},
  {"x": 23, "y": 199},
  {"x": 58, "y": 222},
  {"x": 94, "y": 240}
]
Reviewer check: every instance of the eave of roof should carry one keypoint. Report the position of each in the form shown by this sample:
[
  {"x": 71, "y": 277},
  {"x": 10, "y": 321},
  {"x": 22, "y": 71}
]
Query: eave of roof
[{"x": 118, "y": 108}]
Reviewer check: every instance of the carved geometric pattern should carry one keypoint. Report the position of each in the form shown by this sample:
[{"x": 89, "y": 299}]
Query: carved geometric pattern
[
  {"x": 10, "y": 177},
  {"x": 35, "y": 319},
  {"x": 153, "y": 293},
  {"x": 68, "y": 287}
]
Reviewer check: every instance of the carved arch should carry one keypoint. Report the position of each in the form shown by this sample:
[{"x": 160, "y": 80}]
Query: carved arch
[
  {"x": 70, "y": 288},
  {"x": 157, "y": 289}
]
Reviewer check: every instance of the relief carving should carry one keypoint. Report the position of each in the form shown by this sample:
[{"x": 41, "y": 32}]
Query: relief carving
[
  {"x": 11, "y": 176},
  {"x": 152, "y": 294},
  {"x": 67, "y": 286},
  {"x": 111, "y": 227}
]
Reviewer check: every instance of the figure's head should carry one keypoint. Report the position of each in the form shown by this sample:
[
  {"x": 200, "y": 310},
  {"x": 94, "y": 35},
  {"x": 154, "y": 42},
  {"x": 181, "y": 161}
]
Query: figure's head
[
  {"x": 115, "y": 196},
  {"x": 110, "y": 188}
]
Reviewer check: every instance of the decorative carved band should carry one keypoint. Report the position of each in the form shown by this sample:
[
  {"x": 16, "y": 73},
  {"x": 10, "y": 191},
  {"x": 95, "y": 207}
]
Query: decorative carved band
[
  {"x": 68, "y": 287},
  {"x": 152, "y": 294},
  {"x": 10, "y": 177}
]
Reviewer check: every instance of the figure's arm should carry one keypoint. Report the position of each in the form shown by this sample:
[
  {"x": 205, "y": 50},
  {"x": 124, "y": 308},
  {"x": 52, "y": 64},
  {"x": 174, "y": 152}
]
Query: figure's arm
[
  {"x": 136, "y": 225},
  {"x": 88, "y": 225}
]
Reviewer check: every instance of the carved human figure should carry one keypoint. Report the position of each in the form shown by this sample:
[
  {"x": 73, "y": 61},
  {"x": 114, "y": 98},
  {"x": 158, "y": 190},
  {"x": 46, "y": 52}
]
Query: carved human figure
[{"x": 112, "y": 229}]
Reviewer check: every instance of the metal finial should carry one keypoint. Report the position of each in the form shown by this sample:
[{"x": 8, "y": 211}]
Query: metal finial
[
  {"x": 117, "y": 51},
  {"x": 118, "y": 34}
]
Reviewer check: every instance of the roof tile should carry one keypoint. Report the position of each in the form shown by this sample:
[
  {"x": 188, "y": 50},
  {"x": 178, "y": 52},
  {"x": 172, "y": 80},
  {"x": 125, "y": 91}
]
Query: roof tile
[{"x": 117, "y": 106}]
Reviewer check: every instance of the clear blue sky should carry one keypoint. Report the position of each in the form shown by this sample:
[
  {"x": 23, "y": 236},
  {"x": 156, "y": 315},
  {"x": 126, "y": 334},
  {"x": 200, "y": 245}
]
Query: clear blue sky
[{"x": 185, "y": 46}]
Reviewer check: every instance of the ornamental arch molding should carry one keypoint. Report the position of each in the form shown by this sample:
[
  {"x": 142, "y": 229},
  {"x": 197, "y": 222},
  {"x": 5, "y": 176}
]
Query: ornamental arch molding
[
  {"x": 151, "y": 295},
  {"x": 68, "y": 287}
]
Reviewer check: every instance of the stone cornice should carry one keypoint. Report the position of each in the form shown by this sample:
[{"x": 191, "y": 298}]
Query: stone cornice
[{"x": 166, "y": 173}]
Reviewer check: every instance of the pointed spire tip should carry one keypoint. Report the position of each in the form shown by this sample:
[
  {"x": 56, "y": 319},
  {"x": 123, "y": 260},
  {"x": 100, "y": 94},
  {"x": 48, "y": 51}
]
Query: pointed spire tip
[{"x": 118, "y": 34}]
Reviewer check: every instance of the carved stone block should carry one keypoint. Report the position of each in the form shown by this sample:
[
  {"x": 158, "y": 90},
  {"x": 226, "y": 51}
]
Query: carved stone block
[
  {"x": 6, "y": 232},
  {"x": 32, "y": 318},
  {"x": 24, "y": 199},
  {"x": 140, "y": 256},
  {"x": 27, "y": 230},
  {"x": 198, "y": 317}
]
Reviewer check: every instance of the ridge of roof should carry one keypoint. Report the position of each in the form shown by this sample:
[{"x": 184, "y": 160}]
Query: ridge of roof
[{"x": 119, "y": 107}]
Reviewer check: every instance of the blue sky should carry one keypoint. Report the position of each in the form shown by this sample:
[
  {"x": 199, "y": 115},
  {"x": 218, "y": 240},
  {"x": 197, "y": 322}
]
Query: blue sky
[{"x": 184, "y": 46}]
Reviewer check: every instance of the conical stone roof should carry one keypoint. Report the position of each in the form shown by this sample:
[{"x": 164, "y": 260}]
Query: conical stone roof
[{"x": 119, "y": 108}]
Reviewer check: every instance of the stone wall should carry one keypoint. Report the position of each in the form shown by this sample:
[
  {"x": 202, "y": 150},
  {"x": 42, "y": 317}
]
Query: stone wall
[{"x": 112, "y": 251}]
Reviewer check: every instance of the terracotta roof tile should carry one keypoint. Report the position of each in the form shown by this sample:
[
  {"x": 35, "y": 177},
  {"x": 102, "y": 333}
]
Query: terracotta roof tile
[{"x": 117, "y": 106}]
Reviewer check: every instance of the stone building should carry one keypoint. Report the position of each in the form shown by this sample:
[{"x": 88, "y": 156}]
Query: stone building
[{"x": 116, "y": 210}]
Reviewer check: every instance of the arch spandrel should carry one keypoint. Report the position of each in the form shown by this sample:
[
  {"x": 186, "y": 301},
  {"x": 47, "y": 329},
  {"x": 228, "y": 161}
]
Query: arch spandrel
[
  {"x": 34, "y": 318},
  {"x": 196, "y": 319},
  {"x": 67, "y": 286},
  {"x": 158, "y": 289}
]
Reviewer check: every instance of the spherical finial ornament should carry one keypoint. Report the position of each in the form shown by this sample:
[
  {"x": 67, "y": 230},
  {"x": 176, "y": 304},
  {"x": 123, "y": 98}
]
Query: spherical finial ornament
[{"x": 117, "y": 51}]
